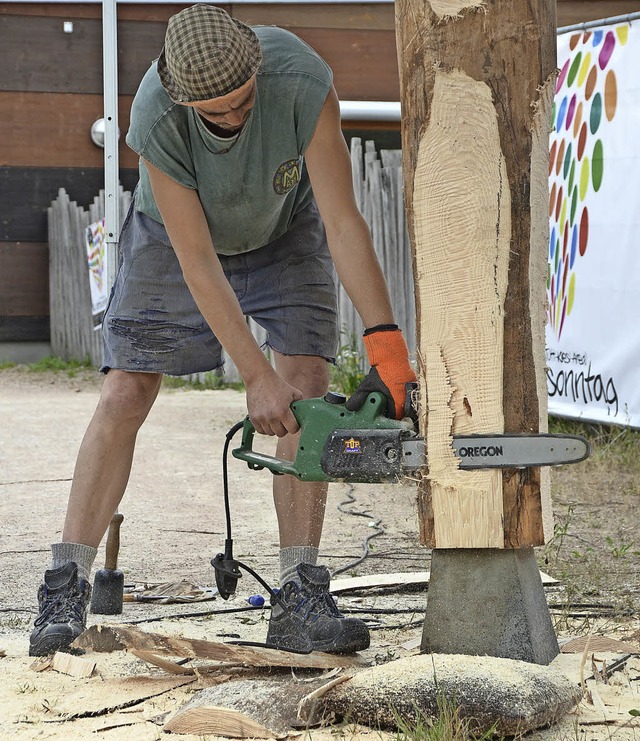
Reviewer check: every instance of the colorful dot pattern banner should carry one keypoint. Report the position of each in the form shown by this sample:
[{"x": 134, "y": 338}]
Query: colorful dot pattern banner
[{"x": 586, "y": 102}]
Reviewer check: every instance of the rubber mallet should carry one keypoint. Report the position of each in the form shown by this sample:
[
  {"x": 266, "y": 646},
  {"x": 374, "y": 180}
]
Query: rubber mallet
[{"x": 108, "y": 585}]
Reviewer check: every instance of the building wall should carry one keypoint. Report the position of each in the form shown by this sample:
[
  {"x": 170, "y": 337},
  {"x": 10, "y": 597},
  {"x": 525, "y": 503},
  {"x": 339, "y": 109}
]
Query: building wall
[{"x": 51, "y": 93}]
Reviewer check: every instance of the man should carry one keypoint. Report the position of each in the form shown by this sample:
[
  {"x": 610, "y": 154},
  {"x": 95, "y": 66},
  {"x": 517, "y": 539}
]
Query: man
[{"x": 234, "y": 127}]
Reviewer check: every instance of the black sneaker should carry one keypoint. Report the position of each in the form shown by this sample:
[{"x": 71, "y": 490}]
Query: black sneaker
[
  {"x": 63, "y": 600},
  {"x": 306, "y": 618}
]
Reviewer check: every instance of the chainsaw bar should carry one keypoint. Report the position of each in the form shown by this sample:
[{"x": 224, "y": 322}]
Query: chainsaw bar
[
  {"x": 503, "y": 451},
  {"x": 337, "y": 444}
]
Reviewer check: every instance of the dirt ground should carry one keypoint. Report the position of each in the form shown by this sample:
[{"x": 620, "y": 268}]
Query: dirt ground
[{"x": 174, "y": 524}]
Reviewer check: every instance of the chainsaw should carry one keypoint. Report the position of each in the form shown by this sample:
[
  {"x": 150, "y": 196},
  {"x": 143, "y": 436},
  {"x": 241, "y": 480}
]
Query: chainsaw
[
  {"x": 337, "y": 444},
  {"x": 366, "y": 446}
]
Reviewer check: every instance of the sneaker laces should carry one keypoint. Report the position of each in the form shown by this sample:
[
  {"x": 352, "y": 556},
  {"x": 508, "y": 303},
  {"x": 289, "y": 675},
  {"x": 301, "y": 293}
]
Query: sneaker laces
[
  {"x": 62, "y": 606},
  {"x": 311, "y": 605}
]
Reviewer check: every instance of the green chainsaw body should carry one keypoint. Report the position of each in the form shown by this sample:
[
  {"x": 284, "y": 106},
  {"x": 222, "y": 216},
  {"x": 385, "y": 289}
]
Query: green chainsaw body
[{"x": 335, "y": 442}]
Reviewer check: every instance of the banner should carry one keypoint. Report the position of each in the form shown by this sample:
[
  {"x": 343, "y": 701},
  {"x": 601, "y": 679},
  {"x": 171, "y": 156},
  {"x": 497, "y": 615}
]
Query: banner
[
  {"x": 593, "y": 329},
  {"x": 97, "y": 260}
]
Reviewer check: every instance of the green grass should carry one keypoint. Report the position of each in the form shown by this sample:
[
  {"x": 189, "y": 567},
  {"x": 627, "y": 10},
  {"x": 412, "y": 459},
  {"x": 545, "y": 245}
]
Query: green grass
[
  {"x": 594, "y": 549},
  {"x": 349, "y": 371},
  {"x": 53, "y": 363},
  {"x": 613, "y": 445},
  {"x": 212, "y": 381},
  {"x": 448, "y": 726}
]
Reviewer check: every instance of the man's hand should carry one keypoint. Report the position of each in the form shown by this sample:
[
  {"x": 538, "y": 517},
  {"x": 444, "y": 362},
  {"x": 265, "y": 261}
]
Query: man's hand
[
  {"x": 390, "y": 370},
  {"x": 269, "y": 402}
]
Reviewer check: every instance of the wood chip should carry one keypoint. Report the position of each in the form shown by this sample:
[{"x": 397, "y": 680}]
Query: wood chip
[
  {"x": 168, "y": 666},
  {"x": 264, "y": 707},
  {"x": 219, "y": 721},
  {"x": 396, "y": 580},
  {"x": 412, "y": 644},
  {"x": 117, "y": 637},
  {"x": 379, "y": 580},
  {"x": 599, "y": 643},
  {"x": 41, "y": 664},
  {"x": 307, "y": 706},
  {"x": 74, "y": 666}
]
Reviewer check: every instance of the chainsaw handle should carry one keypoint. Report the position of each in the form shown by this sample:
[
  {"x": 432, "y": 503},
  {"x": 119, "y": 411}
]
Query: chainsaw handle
[
  {"x": 318, "y": 419},
  {"x": 256, "y": 460}
]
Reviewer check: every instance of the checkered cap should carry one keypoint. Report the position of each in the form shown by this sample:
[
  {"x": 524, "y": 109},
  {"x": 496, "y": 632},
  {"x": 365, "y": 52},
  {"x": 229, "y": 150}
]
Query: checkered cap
[{"x": 206, "y": 54}]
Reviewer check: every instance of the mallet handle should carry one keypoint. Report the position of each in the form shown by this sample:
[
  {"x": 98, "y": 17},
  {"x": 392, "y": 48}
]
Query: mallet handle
[{"x": 113, "y": 542}]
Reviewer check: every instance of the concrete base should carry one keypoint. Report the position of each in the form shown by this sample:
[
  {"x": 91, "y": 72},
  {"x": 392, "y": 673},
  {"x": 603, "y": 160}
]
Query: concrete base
[{"x": 488, "y": 602}]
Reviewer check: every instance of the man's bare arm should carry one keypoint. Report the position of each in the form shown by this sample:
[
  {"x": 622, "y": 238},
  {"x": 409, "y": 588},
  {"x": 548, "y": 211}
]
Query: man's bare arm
[
  {"x": 329, "y": 167},
  {"x": 268, "y": 396}
]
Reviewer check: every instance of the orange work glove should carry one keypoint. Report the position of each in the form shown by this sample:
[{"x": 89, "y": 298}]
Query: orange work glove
[{"x": 390, "y": 370}]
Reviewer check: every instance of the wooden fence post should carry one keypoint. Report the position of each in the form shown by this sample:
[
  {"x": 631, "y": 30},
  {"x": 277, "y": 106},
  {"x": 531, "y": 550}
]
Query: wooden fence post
[
  {"x": 73, "y": 336},
  {"x": 477, "y": 82}
]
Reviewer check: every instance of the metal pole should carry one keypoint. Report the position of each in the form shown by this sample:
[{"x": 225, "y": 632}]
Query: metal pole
[
  {"x": 111, "y": 179},
  {"x": 111, "y": 171},
  {"x": 612, "y": 21}
]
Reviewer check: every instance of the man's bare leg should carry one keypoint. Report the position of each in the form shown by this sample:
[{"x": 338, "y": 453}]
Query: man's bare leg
[
  {"x": 300, "y": 505},
  {"x": 104, "y": 461},
  {"x": 100, "y": 478},
  {"x": 310, "y": 619}
]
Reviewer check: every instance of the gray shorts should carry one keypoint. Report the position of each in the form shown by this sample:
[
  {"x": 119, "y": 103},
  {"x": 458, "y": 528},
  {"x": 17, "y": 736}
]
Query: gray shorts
[{"x": 152, "y": 323}]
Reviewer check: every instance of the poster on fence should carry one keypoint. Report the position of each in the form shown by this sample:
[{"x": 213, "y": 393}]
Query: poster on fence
[
  {"x": 593, "y": 329},
  {"x": 97, "y": 260}
]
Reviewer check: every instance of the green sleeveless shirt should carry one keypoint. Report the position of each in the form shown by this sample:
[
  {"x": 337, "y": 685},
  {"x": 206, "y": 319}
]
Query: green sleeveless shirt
[{"x": 252, "y": 186}]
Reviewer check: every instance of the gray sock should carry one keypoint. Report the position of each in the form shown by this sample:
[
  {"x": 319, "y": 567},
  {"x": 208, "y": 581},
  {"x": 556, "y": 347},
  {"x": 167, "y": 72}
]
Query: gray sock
[
  {"x": 83, "y": 555},
  {"x": 292, "y": 556}
]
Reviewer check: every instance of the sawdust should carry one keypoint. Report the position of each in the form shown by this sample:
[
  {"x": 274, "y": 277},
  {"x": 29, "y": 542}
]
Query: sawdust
[{"x": 511, "y": 696}]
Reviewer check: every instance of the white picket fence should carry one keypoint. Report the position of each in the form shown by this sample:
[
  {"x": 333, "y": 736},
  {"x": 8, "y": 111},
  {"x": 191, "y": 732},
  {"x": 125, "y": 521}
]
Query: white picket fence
[
  {"x": 377, "y": 182},
  {"x": 378, "y": 187}
]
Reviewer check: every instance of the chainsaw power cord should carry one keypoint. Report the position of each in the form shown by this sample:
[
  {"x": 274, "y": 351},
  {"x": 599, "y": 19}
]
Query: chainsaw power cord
[
  {"x": 375, "y": 524},
  {"x": 227, "y": 568},
  {"x": 225, "y": 475}
]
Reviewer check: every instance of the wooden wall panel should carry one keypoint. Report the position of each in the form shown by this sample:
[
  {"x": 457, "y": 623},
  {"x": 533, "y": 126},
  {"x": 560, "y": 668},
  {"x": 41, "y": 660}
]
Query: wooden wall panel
[
  {"x": 571, "y": 12},
  {"x": 326, "y": 15},
  {"x": 24, "y": 328},
  {"x": 364, "y": 63},
  {"x": 129, "y": 11},
  {"x": 27, "y": 192},
  {"x": 53, "y": 130},
  {"x": 24, "y": 291},
  {"x": 77, "y": 55},
  {"x": 358, "y": 15},
  {"x": 309, "y": 15},
  {"x": 24, "y": 279}
]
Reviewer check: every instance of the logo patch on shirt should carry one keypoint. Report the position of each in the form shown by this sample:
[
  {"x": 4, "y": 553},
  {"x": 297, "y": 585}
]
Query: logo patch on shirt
[{"x": 287, "y": 177}]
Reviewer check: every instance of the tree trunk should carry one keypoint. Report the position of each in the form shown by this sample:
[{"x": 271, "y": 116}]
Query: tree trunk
[{"x": 477, "y": 82}]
